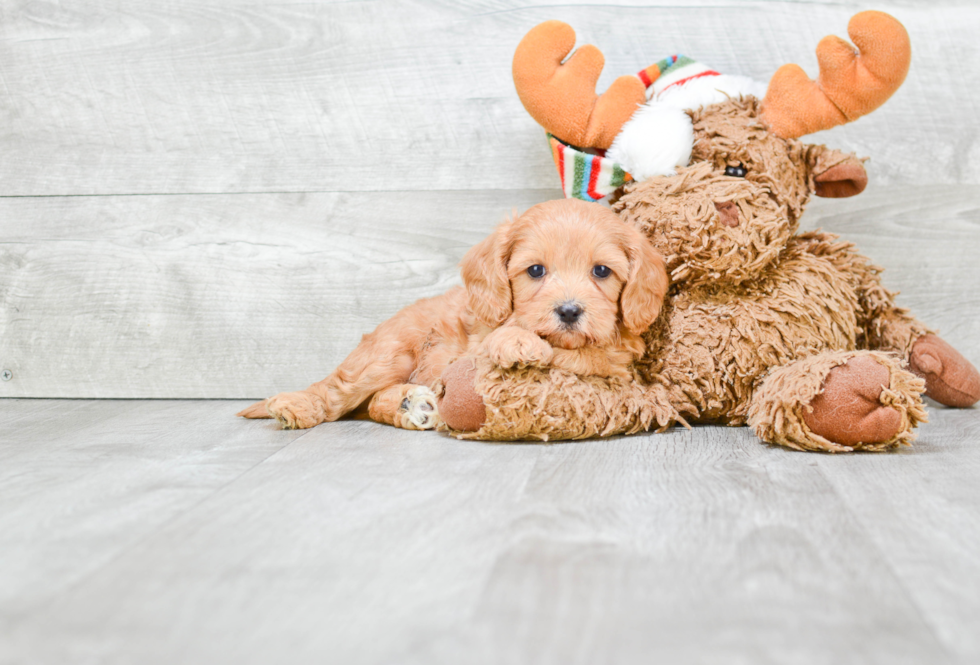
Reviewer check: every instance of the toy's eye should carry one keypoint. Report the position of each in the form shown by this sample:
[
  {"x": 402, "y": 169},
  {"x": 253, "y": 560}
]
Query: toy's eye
[
  {"x": 536, "y": 271},
  {"x": 736, "y": 171},
  {"x": 601, "y": 271}
]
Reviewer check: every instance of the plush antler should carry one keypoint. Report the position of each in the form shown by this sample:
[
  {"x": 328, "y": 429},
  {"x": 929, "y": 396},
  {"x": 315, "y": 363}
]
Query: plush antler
[
  {"x": 851, "y": 83},
  {"x": 561, "y": 97}
]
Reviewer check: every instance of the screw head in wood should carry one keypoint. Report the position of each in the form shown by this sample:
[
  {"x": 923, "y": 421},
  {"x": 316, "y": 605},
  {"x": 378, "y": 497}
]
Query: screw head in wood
[{"x": 6, "y": 375}]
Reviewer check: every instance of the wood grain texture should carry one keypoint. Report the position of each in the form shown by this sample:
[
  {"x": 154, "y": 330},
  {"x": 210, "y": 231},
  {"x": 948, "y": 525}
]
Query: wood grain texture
[
  {"x": 932, "y": 497},
  {"x": 80, "y": 482},
  {"x": 162, "y": 532},
  {"x": 326, "y": 163},
  {"x": 217, "y": 198},
  {"x": 217, "y": 96},
  {"x": 240, "y": 296},
  {"x": 218, "y": 296}
]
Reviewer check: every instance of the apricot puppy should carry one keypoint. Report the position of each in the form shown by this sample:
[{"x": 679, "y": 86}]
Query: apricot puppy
[{"x": 566, "y": 284}]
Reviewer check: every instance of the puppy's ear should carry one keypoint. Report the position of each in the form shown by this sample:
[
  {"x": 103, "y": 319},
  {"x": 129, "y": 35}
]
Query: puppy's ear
[
  {"x": 484, "y": 271},
  {"x": 646, "y": 286}
]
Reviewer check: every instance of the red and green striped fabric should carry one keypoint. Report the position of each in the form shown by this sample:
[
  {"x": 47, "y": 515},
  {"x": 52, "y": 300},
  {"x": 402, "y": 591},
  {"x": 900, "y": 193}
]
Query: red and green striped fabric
[
  {"x": 672, "y": 70},
  {"x": 585, "y": 176}
]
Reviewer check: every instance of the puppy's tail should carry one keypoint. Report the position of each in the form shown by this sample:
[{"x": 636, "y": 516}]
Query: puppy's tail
[{"x": 256, "y": 410}]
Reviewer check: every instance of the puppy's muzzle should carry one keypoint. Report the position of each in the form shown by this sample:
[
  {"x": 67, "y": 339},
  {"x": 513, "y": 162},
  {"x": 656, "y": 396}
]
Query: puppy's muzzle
[{"x": 568, "y": 313}]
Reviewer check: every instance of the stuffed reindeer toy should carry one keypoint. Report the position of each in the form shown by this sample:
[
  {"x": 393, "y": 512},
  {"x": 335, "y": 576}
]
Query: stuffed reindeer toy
[{"x": 790, "y": 333}]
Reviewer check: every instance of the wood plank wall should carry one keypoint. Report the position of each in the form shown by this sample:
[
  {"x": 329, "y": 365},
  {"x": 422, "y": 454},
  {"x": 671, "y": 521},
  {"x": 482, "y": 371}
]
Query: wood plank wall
[{"x": 217, "y": 198}]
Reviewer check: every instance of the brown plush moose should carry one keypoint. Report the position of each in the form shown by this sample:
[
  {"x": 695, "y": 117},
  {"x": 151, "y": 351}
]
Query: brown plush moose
[{"x": 792, "y": 334}]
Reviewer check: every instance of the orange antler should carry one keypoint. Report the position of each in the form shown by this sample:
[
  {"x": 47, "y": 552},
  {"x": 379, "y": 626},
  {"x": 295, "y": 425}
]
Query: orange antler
[
  {"x": 850, "y": 84},
  {"x": 561, "y": 97}
]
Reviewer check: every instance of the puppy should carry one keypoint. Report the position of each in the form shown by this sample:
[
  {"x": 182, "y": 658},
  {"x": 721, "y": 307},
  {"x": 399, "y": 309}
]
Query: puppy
[{"x": 567, "y": 284}]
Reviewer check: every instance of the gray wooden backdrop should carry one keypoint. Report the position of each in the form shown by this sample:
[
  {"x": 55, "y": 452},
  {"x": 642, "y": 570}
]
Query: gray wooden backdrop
[{"x": 217, "y": 198}]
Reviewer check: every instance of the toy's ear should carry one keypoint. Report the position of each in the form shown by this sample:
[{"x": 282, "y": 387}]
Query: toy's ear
[
  {"x": 484, "y": 272},
  {"x": 836, "y": 175},
  {"x": 646, "y": 286}
]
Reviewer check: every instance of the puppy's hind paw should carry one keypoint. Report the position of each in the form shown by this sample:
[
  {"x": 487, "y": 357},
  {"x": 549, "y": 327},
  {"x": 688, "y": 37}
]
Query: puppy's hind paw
[
  {"x": 256, "y": 410},
  {"x": 418, "y": 409}
]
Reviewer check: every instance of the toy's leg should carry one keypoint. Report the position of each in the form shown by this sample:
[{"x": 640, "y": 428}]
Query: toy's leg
[
  {"x": 884, "y": 326},
  {"x": 461, "y": 406},
  {"x": 838, "y": 401},
  {"x": 481, "y": 400},
  {"x": 407, "y": 406},
  {"x": 950, "y": 378}
]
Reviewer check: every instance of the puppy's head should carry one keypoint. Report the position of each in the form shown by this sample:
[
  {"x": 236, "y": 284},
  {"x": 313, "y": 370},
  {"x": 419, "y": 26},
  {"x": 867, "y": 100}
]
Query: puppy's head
[{"x": 571, "y": 272}]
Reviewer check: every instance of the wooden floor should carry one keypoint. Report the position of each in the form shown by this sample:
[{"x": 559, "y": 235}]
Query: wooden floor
[{"x": 169, "y": 532}]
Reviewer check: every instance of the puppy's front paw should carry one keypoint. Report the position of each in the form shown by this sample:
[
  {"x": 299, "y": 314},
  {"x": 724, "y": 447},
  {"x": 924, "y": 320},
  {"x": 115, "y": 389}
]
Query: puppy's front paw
[
  {"x": 508, "y": 347},
  {"x": 418, "y": 409},
  {"x": 299, "y": 410}
]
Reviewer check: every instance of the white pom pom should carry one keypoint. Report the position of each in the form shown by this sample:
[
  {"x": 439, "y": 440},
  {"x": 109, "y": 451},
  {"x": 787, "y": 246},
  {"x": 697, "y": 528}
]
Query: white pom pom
[
  {"x": 655, "y": 141},
  {"x": 708, "y": 90},
  {"x": 659, "y": 137}
]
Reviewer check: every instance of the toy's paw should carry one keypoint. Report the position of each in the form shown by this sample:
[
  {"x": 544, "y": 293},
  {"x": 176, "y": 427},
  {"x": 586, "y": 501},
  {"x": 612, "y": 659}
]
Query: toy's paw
[
  {"x": 510, "y": 347},
  {"x": 299, "y": 410},
  {"x": 460, "y": 406},
  {"x": 950, "y": 378},
  {"x": 848, "y": 411},
  {"x": 418, "y": 409}
]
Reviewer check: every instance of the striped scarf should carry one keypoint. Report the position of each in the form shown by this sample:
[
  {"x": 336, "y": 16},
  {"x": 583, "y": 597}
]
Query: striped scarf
[{"x": 584, "y": 176}]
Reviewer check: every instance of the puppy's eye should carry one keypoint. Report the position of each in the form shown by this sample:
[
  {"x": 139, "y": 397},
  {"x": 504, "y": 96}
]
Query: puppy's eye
[
  {"x": 736, "y": 171},
  {"x": 601, "y": 271},
  {"x": 536, "y": 271}
]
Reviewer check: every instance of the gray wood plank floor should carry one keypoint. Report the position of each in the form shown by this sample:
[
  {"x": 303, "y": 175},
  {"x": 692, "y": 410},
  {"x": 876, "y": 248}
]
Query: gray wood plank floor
[
  {"x": 168, "y": 532},
  {"x": 217, "y": 198}
]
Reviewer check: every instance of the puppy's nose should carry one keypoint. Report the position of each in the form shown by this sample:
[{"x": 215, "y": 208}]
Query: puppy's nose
[{"x": 568, "y": 312}]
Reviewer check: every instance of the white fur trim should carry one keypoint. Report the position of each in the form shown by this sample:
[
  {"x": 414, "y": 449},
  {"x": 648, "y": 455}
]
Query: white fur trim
[
  {"x": 659, "y": 136},
  {"x": 709, "y": 90},
  {"x": 655, "y": 141},
  {"x": 677, "y": 73}
]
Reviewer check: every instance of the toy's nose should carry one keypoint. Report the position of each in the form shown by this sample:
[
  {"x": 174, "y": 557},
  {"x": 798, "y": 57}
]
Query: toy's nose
[
  {"x": 728, "y": 213},
  {"x": 568, "y": 312}
]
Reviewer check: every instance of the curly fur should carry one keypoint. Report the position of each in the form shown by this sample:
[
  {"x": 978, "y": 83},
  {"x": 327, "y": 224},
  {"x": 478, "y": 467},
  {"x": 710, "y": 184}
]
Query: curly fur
[
  {"x": 504, "y": 315},
  {"x": 747, "y": 302},
  {"x": 776, "y": 413},
  {"x": 530, "y": 403}
]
